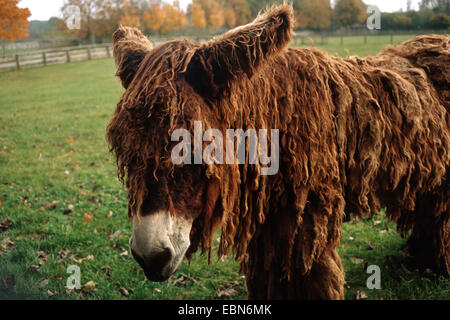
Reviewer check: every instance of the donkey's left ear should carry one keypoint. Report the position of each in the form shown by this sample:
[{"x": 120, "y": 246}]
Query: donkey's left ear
[
  {"x": 130, "y": 47},
  {"x": 240, "y": 51}
]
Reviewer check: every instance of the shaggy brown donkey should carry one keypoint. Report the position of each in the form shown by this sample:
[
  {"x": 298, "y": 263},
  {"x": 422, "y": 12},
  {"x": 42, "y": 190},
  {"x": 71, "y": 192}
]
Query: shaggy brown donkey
[{"x": 354, "y": 134}]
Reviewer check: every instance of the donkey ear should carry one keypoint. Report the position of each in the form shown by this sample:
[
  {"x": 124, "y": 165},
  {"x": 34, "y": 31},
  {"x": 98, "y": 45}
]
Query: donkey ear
[
  {"x": 240, "y": 51},
  {"x": 130, "y": 47}
]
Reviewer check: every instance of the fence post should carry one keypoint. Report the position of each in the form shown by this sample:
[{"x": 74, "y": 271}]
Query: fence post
[
  {"x": 68, "y": 56},
  {"x": 89, "y": 53},
  {"x": 392, "y": 38},
  {"x": 44, "y": 58},
  {"x": 17, "y": 62}
]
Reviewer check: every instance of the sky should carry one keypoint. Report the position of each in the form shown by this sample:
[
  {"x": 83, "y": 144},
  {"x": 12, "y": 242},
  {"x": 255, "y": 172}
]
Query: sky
[{"x": 45, "y": 9}]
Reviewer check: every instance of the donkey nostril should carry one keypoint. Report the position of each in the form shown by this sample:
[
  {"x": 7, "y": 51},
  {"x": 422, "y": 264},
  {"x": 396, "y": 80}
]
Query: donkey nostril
[{"x": 159, "y": 260}]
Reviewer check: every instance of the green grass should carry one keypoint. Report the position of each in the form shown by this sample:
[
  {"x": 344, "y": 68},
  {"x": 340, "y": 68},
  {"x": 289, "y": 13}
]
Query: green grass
[
  {"x": 52, "y": 128},
  {"x": 352, "y": 45}
]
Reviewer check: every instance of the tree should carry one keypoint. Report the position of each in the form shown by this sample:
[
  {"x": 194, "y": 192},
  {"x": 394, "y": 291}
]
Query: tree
[
  {"x": 314, "y": 14},
  {"x": 242, "y": 10},
  {"x": 402, "y": 22},
  {"x": 215, "y": 17},
  {"x": 130, "y": 17},
  {"x": 440, "y": 21},
  {"x": 13, "y": 21},
  {"x": 349, "y": 12},
  {"x": 230, "y": 17},
  {"x": 154, "y": 16},
  {"x": 175, "y": 17},
  {"x": 198, "y": 16},
  {"x": 213, "y": 12},
  {"x": 438, "y": 6}
]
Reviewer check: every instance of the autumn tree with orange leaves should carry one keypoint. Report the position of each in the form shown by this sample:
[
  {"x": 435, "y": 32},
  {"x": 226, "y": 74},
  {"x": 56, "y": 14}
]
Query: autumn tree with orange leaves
[
  {"x": 175, "y": 17},
  {"x": 13, "y": 21},
  {"x": 198, "y": 15},
  {"x": 154, "y": 16}
]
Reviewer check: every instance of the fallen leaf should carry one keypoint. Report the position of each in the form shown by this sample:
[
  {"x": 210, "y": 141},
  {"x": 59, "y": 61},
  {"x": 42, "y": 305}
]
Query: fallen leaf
[
  {"x": 42, "y": 256},
  {"x": 226, "y": 293},
  {"x": 182, "y": 281},
  {"x": 115, "y": 234},
  {"x": 43, "y": 283},
  {"x": 50, "y": 294},
  {"x": 124, "y": 291},
  {"x": 70, "y": 141},
  {"x": 376, "y": 223},
  {"x": 124, "y": 253},
  {"x": 88, "y": 286},
  {"x": 35, "y": 267},
  {"x": 1, "y": 202},
  {"x": 5, "y": 224},
  {"x": 351, "y": 238},
  {"x": 73, "y": 257},
  {"x": 110, "y": 214},
  {"x": 57, "y": 277},
  {"x": 383, "y": 231},
  {"x": 63, "y": 253},
  {"x": 89, "y": 257},
  {"x": 52, "y": 205},
  {"x": 88, "y": 217},
  {"x": 157, "y": 290},
  {"x": 361, "y": 295},
  {"x": 356, "y": 260}
]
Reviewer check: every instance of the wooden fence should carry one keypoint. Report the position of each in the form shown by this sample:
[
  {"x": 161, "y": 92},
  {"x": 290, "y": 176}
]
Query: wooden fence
[{"x": 55, "y": 56}]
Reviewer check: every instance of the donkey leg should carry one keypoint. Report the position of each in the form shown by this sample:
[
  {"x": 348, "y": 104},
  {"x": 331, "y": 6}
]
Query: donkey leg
[
  {"x": 326, "y": 279},
  {"x": 429, "y": 243}
]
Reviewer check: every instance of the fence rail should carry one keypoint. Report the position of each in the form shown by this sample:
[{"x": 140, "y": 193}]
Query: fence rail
[{"x": 55, "y": 56}]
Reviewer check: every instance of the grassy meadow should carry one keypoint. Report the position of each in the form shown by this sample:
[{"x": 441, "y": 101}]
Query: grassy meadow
[{"x": 61, "y": 203}]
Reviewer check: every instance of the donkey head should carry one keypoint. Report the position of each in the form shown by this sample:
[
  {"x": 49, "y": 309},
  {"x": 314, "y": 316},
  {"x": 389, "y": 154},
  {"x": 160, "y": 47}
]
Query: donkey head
[{"x": 168, "y": 88}]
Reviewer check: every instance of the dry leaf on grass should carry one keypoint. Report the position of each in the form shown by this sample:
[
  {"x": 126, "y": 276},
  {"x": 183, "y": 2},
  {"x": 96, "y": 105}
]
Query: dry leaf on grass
[
  {"x": 50, "y": 294},
  {"x": 52, "y": 205},
  {"x": 124, "y": 291},
  {"x": 225, "y": 292},
  {"x": 182, "y": 281},
  {"x": 35, "y": 268},
  {"x": 43, "y": 283},
  {"x": 42, "y": 257},
  {"x": 361, "y": 295},
  {"x": 114, "y": 235},
  {"x": 63, "y": 253},
  {"x": 157, "y": 290},
  {"x": 5, "y": 224},
  {"x": 88, "y": 286},
  {"x": 356, "y": 260},
  {"x": 1, "y": 202},
  {"x": 124, "y": 253},
  {"x": 87, "y": 217},
  {"x": 376, "y": 223},
  {"x": 110, "y": 214}
]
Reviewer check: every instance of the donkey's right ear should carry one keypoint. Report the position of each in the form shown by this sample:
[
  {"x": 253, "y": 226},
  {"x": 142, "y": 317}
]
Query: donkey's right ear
[
  {"x": 130, "y": 47},
  {"x": 239, "y": 52}
]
